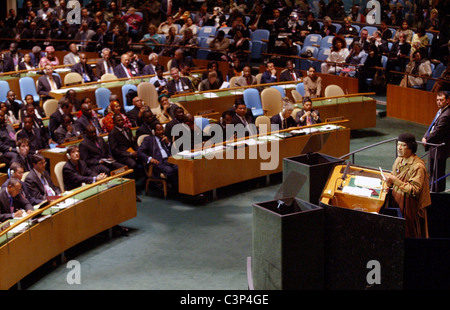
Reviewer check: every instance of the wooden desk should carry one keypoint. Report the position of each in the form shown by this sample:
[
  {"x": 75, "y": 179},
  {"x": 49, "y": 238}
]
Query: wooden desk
[
  {"x": 410, "y": 104},
  {"x": 334, "y": 191},
  {"x": 360, "y": 111},
  {"x": 197, "y": 176},
  {"x": 95, "y": 213}
]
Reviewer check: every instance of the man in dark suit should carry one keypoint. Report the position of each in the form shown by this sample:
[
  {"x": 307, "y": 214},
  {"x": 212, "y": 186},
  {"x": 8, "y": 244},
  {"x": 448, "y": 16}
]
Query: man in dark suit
[
  {"x": 178, "y": 84},
  {"x": 24, "y": 158},
  {"x": 76, "y": 172},
  {"x": 150, "y": 68},
  {"x": 86, "y": 119},
  {"x": 122, "y": 143},
  {"x": 438, "y": 133},
  {"x": 7, "y": 141},
  {"x": 33, "y": 134},
  {"x": 270, "y": 75},
  {"x": 56, "y": 119},
  {"x": 135, "y": 114},
  {"x": 241, "y": 117},
  {"x": 124, "y": 69},
  {"x": 6, "y": 64},
  {"x": 106, "y": 64},
  {"x": 284, "y": 119},
  {"x": 13, "y": 202},
  {"x": 95, "y": 152},
  {"x": 84, "y": 69},
  {"x": 307, "y": 115},
  {"x": 148, "y": 121},
  {"x": 179, "y": 116},
  {"x": 363, "y": 40},
  {"x": 155, "y": 150},
  {"x": 291, "y": 74},
  {"x": 12, "y": 103},
  {"x": 48, "y": 82},
  {"x": 14, "y": 54},
  {"x": 39, "y": 182},
  {"x": 16, "y": 172}
]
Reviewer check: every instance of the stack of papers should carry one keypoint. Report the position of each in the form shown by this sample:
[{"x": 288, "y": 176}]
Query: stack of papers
[
  {"x": 210, "y": 95},
  {"x": 367, "y": 182},
  {"x": 357, "y": 191}
]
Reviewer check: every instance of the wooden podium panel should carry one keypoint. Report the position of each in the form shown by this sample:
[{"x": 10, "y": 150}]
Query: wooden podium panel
[
  {"x": 411, "y": 104},
  {"x": 98, "y": 212},
  {"x": 197, "y": 176},
  {"x": 335, "y": 193}
]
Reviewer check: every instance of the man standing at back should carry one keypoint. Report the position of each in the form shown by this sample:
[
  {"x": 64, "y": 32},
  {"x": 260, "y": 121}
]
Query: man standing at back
[{"x": 437, "y": 133}]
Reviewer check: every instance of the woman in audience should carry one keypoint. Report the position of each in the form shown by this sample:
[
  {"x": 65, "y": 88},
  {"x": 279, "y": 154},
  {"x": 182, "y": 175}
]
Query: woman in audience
[
  {"x": 355, "y": 60},
  {"x": 9, "y": 115},
  {"x": 38, "y": 111},
  {"x": 213, "y": 66},
  {"x": 189, "y": 24},
  {"x": 371, "y": 65},
  {"x": 151, "y": 38},
  {"x": 312, "y": 83},
  {"x": 419, "y": 41},
  {"x": 420, "y": 67},
  {"x": 171, "y": 43},
  {"x": 338, "y": 54},
  {"x": 26, "y": 64},
  {"x": 239, "y": 47},
  {"x": 108, "y": 120},
  {"x": 404, "y": 29}
]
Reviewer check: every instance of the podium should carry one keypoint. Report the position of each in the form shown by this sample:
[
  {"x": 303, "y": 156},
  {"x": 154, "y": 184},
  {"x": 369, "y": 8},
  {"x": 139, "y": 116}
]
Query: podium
[
  {"x": 355, "y": 187},
  {"x": 357, "y": 233}
]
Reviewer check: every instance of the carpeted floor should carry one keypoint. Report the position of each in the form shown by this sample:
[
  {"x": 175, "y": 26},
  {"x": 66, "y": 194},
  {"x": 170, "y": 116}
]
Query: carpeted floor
[{"x": 175, "y": 244}]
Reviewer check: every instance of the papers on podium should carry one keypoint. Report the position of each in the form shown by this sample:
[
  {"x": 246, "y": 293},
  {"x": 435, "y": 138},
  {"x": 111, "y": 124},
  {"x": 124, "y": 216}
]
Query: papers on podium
[
  {"x": 357, "y": 191},
  {"x": 367, "y": 182}
]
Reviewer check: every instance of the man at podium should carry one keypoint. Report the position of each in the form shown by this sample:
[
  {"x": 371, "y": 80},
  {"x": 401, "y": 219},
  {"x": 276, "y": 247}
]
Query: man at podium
[{"x": 410, "y": 188}]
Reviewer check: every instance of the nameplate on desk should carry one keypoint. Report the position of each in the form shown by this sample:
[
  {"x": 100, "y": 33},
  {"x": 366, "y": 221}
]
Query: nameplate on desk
[
  {"x": 120, "y": 170},
  {"x": 334, "y": 119},
  {"x": 75, "y": 138},
  {"x": 4, "y": 225}
]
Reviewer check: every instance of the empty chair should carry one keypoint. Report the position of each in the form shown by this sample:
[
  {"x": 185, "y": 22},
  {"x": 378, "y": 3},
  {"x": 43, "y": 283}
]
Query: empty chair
[
  {"x": 108, "y": 77},
  {"x": 258, "y": 78},
  {"x": 252, "y": 100},
  {"x": 437, "y": 72},
  {"x": 296, "y": 95},
  {"x": 102, "y": 95},
  {"x": 50, "y": 106},
  {"x": 326, "y": 42},
  {"x": 148, "y": 93},
  {"x": 338, "y": 26},
  {"x": 4, "y": 89},
  {"x": 59, "y": 174},
  {"x": 312, "y": 39},
  {"x": 357, "y": 27},
  {"x": 233, "y": 81},
  {"x": 294, "y": 112},
  {"x": 322, "y": 55},
  {"x": 271, "y": 101},
  {"x": 206, "y": 31},
  {"x": 333, "y": 90},
  {"x": 28, "y": 87},
  {"x": 201, "y": 122},
  {"x": 125, "y": 89},
  {"x": 73, "y": 78},
  {"x": 300, "y": 88},
  {"x": 259, "y": 39},
  {"x": 263, "y": 123},
  {"x": 280, "y": 89}
]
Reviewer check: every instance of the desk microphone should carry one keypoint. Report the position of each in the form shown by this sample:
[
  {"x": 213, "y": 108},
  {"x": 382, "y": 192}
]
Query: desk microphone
[{"x": 344, "y": 175}]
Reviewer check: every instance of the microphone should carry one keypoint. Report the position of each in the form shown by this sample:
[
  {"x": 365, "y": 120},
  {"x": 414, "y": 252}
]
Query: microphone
[{"x": 344, "y": 175}]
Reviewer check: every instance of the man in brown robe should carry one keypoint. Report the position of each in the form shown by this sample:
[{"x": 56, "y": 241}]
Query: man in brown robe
[{"x": 410, "y": 188}]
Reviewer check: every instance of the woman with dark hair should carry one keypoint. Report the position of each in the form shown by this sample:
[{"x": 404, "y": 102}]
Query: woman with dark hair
[
  {"x": 420, "y": 41},
  {"x": 239, "y": 47},
  {"x": 339, "y": 52},
  {"x": 213, "y": 66},
  {"x": 419, "y": 67},
  {"x": 404, "y": 29},
  {"x": 370, "y": 67}
]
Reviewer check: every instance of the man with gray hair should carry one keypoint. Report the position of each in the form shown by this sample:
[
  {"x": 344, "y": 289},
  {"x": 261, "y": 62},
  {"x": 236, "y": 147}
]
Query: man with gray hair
[
  {"x": 284, "y": 119},
  {"x": 106, "y": 64}
]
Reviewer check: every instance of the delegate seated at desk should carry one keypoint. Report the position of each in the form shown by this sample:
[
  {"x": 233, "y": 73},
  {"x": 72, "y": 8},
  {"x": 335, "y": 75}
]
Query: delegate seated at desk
[
  {"x": 7, "y": 141},
  {"x": 284, "y": 119},
  {"x": 76, "y": 172},
  {"x": 307, "y": 115},
  {"x": 86, "y": 119},
  {"x": 34, "y": 135},
  {"x": 149, "y": 121},
  {"x": 94, "y": 151},
  {"x": 39, "y": 182},
  {"x": 410, "y": 188},
  {"x": 12, "y": 202},
  {"x": 241, "y": 117},
  {"x": 122, "y": 143},
  {"x": 178, "y": 84},
  {"x": 56, "y": 118},
  {"x": 16, "y": 172},
  {"x": 48, "y": 82},
  {"x": 155, "y": 150}
]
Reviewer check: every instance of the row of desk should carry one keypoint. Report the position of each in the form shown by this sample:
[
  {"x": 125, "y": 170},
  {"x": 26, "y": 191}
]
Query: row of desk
[{"x": 91, "y": 210}]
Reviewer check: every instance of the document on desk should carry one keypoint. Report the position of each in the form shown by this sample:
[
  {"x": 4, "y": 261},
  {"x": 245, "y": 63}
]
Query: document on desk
[
  {"x": 357, "y": 191},
  {"x": 57, "y": 150},
  {"x": 367, "y": 182},
  {"x": 210, "y": 95}
]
